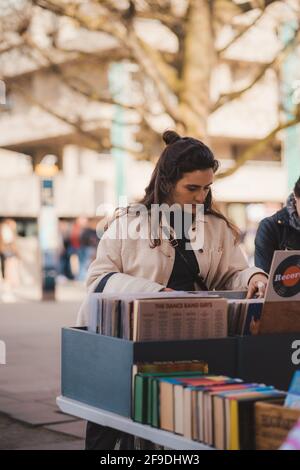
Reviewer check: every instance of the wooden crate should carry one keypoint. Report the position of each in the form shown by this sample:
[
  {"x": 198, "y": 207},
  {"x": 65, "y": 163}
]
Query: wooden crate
[{"x": 272, "y": 424}]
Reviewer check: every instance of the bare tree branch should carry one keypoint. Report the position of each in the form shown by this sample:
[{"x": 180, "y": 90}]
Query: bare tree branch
[
  {"x": 8, "y": 48},
  {"x": 185, "y": 101},
  {"x": 91, "y": 23},
  {"x": 227, "y": 97},
  {"x": 240, "y": 34},
  {"x": 244, "y": 7},
  {"x": 167, "y": 72},
  {"x": 72, "y": 123},
  {"x": 83, "y": 88},
  {"x": 258, "y": 147},
  {"x": 93, "y": 141},
  {"x": 129, "y": 39},
  {"x": 78, "y": 85},
  {"x": 147, "y": 65}
]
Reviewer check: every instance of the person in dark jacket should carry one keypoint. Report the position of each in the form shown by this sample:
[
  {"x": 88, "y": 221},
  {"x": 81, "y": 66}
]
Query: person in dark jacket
[{"x": 281, "y": 231}]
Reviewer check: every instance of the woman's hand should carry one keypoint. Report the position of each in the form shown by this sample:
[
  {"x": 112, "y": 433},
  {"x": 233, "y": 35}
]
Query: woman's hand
[
  {"x": 257, "y": 285},
  {"x": 167, "y": 289}
]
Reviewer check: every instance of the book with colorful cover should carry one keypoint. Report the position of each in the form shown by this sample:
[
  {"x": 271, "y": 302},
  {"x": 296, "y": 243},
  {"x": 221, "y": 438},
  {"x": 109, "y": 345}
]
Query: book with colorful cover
[
  {"x": 142, "y": 391},
  {"x": 205, "y": 396},
  {"x": 239, "y": 416},
  {"x": 173, "y": 381},
  {"x": 139, "y": 398},
  {"x": 293, "y": 397},
  {"x": 209, "y": 399}
]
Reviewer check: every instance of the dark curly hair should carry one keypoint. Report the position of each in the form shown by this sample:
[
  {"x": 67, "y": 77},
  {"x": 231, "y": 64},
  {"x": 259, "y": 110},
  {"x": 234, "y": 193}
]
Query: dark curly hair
[
  {"x": 181, "y": 155},
  {"x": 297, "y": 188}
]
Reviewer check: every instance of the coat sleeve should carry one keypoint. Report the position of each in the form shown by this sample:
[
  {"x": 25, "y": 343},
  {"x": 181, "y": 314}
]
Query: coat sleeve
[
  {"x": 265, "y": 244},
  {"x": 109, "y": 261},
  {"x": 234, "y": 270}
]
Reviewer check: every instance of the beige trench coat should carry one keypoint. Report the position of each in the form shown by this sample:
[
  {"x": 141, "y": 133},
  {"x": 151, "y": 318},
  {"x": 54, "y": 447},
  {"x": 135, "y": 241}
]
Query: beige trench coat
[{"x": 140, "y": 268}]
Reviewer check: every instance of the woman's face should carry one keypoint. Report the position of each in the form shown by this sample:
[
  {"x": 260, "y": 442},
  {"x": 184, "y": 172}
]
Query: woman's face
[{"x": 192, "y": 188}]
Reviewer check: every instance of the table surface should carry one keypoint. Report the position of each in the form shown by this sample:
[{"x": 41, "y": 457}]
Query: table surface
[{"x": 113, "y": 420}]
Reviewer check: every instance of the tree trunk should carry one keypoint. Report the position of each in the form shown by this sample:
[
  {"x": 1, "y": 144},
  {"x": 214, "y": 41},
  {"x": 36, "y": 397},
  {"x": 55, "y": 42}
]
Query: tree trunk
[{"x": 198, "y": 62}]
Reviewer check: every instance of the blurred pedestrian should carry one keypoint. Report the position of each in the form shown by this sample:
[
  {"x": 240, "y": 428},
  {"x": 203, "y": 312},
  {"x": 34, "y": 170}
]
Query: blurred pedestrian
[
  {"x": 65, "y": 250},
  {"x": 88, "y": 247},
  {"x": 2, "y": 260},
  {"x": 75, "y": 245},
  {"x": 9, "y": 254}
]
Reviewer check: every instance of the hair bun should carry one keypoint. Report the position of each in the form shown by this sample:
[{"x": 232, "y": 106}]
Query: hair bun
[{"x": 169, "y": 137}]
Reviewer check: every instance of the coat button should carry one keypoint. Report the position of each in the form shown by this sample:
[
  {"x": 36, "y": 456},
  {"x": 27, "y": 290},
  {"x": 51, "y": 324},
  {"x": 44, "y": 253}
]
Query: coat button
[{"x": 201, "y": 250}]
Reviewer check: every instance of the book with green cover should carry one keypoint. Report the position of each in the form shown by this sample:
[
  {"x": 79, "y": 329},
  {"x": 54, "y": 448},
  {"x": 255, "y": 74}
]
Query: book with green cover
[
  {"x": 181, "y": 379},
  {"x": 142, "y": 398},
  {"x": 140, "y": 390}
]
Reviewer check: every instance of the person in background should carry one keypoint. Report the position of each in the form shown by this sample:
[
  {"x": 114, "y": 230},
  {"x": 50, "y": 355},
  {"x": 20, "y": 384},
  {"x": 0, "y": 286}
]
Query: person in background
[
  {"x": 2, "y": 259},
  {"x": 9, "y": 257},
  {"x": 65, "y": 250},
  {"x": 75, "y": 245},
  {"x": 183, "y": 176},
  {"x": 88, "y": 247},
  {"x": 280, "y": 231}
]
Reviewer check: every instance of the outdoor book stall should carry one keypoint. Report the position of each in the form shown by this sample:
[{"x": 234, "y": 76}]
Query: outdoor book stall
[{"x": 97, "y": 371}]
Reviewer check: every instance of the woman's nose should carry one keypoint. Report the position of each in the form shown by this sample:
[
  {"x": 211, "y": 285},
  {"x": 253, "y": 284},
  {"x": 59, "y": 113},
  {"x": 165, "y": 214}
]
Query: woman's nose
[{"x": 200, "y": 197}]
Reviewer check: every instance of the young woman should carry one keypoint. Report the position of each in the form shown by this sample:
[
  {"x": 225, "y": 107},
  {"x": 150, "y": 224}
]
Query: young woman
[{"x": 128, "y": 263}]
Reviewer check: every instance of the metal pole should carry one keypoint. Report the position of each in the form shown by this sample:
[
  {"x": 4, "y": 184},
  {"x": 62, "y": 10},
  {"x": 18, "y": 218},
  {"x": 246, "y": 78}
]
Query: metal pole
[
  {"x": 118, "y": 77},
  {"x": 48, "y": 230}
]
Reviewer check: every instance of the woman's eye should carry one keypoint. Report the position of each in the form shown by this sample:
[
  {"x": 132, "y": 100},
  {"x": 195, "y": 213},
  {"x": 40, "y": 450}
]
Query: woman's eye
[{"x": 193, "y": 188}]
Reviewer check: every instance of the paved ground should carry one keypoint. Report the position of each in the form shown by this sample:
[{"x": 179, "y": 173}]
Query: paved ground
[
  {"x": 65, "y": 291},
  {"x": 18, "y": 435},
  {"x": 30, "y": 380}
]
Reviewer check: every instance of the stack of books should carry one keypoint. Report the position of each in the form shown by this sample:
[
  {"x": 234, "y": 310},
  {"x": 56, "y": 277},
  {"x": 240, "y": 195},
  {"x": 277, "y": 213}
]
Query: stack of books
[{"x": 215, "y": 410}]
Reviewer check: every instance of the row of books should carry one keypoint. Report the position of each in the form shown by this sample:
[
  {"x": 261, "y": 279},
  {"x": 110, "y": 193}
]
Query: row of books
[
  {"x": 273, "y": 421},
  {"x": 215, "y": 410},
  {"x": 172, "y": 316}
]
